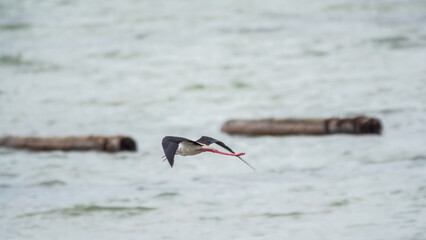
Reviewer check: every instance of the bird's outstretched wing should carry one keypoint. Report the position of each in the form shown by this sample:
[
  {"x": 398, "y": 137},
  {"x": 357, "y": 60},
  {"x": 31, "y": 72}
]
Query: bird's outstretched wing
[
  {"x": 170, "y": 151},
  {"x": 170, "y": 146},
  {"x": 208, "y": 140}
]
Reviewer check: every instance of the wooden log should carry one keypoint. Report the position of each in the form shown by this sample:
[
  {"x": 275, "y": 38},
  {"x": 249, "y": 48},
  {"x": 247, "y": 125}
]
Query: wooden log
[
  {"x": 283, "y": 127},
  {"x": 98, "y": 143}
]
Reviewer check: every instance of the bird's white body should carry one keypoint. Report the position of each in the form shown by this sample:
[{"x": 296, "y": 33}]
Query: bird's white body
[{"x": 188, "y": 148}]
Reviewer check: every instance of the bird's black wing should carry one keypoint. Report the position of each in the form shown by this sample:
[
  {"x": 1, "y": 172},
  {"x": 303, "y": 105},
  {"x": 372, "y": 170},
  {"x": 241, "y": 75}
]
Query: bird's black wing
[
  {"x": 170, "y": 151},
  {"x": 170, "y": 146},
  {"x": 208, "y": 140}
]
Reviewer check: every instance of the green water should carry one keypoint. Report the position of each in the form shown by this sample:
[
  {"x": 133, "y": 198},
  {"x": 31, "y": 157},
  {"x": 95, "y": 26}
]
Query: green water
[{"x": 154, "y": 68}]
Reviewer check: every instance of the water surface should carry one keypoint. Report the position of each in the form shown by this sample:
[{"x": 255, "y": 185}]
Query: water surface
[{"x": 153, "y": 68}]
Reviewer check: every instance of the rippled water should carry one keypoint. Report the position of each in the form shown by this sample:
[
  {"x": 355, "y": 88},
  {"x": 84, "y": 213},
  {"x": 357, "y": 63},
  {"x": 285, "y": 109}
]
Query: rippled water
[{"x": 153, "y": 68}]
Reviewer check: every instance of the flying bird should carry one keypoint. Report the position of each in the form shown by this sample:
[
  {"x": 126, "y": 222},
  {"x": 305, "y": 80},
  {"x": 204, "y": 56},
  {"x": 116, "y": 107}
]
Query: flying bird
[{"x": 182, "y": 146}]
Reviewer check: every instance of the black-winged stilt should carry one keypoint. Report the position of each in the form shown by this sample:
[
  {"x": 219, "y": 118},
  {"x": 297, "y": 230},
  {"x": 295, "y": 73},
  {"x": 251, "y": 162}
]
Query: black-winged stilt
[{"x": 182, "y": 146}]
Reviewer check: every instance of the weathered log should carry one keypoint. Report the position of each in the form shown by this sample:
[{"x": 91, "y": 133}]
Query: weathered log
[
  {"x": 98, "y": 143},
  {"x": 282, "y": 127}
]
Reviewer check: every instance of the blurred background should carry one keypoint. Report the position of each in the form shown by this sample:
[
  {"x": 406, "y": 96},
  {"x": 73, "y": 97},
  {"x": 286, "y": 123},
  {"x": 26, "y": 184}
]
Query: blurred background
[{"x": 148, "y": 69}]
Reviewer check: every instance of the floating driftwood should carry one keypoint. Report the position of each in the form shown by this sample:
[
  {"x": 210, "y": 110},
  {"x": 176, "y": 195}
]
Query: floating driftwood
[
  {"x": 282, "y": 127},
  {"x": 99, "y": 143}
]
